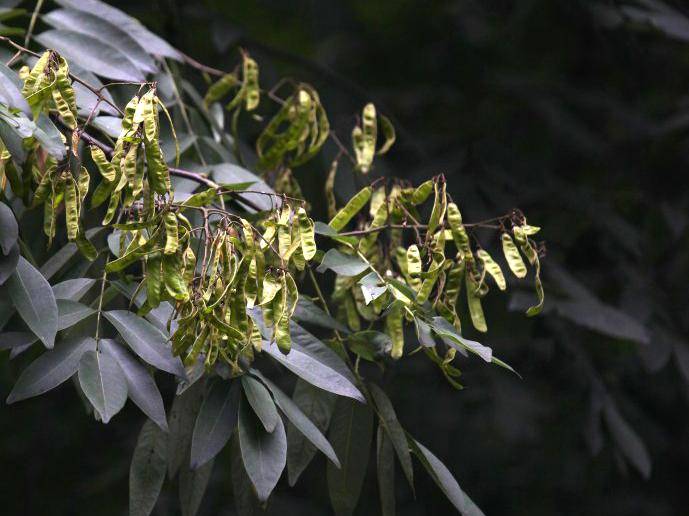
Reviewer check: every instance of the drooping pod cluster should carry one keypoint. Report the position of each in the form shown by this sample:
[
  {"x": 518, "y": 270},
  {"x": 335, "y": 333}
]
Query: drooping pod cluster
[
  {"x": 58, "y": 185},
  {"x": 125, "y": 179},
  {"x": 48, "y": 87},
  {"x": 244, "y": 289},
  {"x": 417, "y": 271}
]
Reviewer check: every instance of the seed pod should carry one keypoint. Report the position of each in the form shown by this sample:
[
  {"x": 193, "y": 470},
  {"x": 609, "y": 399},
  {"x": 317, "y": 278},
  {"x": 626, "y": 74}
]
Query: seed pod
[
  {"x": 172, "y": 274},
  {"x": 413, "y": 260},
  {"x": 439, "y": 207},
  {"x": 492, "y": 268},
  {"x": 154, "y": 280},
  {"x": 330, "y": 190},
  {"x": 379, "y": 220},
  {"x": 44, "y": 187},
  {"x": 364, "y": 139},
  {"x": 49, "y": 216},
  {"x": 220, "y": 88},
  {"x": 83, "y": 183},
  {"x": 128, "y": 118},
  {"x": 112, "y": 208},
  {"x": 71, "y": 209},
  {"x": 422, "y": 192},
  {"x": 512, "y": 256},
  {"x": 150, "y": 116},
  {"x": 388, "y": 133},
  {"x": 271, "y": 286},
  {"x": 474, "y": 302},
  {"x": 353, "y": 207},
  {"x": 453, "y": 286},
  {"x": 351, "y": 313},
  {"x": 394, "y": 328},
  {"x": 252, "y": 91},
  {"x": 158, "y": 173},
  {"x": 171, "y": 233},
  {"x": 85, "y": 246},
  {"x": 129, "y": 169},
  {"x": 306, "y": 232},
  {"x": 63, "y": 109}
]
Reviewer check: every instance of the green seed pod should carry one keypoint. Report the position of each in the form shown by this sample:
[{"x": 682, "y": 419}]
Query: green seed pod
[
  {"x": 307, "y": 234},
  {"x": 353, "y": 207},
  {"x": 422, "y": 192},
  {"x": 394, "y": 328},
  {"x": 154, "y": 280},
  {"x": 474, "y": 302},
  {"x": 171, "y": 233},
  {"x": 71, "y": 209},
  {"x": 172, "y": 274},
  {"x": 330, "y": 190},
  {"x": 220, "y": 88},
  {"x": 512, "y": 256},
  {"x": 492, "y": 268},
  {"x": 252, "y": 90},
  {"x": 364, "y": 139}
]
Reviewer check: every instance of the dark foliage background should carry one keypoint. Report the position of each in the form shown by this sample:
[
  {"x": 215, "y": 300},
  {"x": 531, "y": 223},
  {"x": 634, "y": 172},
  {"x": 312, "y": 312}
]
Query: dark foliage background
[{"x": 576, "y": 112}]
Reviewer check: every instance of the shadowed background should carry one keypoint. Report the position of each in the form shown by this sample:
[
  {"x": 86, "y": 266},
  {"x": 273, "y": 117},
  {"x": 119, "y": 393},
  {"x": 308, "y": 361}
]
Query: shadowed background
[{"x": 577, "y": 113}]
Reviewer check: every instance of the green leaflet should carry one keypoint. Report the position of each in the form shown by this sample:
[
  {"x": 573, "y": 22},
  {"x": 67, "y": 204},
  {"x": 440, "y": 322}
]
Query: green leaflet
[
  {"x": 388, "y": 133},
  {"x": 364, "y": 139},
  {"x": 71, "y": 209},
  {"x": 439, "y": 207},
  {"x": 353, "y": 207},
  {"x": 220, "y": 88},
  {"x": 422, "y": 192},
  {"x": 512, "y": 256},
  {"x": 171, "y": 233},
  {"x": 394, "y": 328},
  {"x": 307, "y": 235},
  {"x": 474, "y": 302},
  {"x": 172, "y": 274},
  {"x": 492, "y": 268}
]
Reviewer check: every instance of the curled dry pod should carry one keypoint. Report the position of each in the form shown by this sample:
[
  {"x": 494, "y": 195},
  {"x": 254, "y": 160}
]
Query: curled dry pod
[
  {"x": 512, "y": 256},
  {"x": 353, "y": 207}
]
